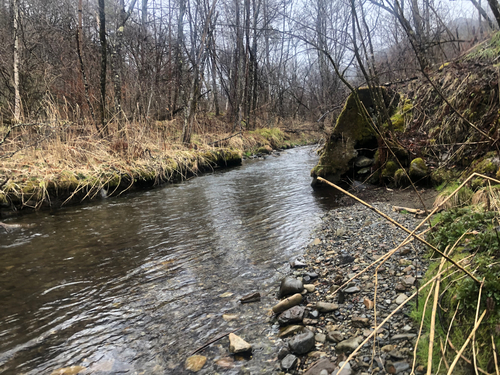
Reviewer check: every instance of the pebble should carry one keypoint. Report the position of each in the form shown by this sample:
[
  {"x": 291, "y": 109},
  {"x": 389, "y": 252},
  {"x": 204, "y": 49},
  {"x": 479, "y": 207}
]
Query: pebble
[
  {"x": 302, "y": 343},
  {"x": 238, "y": 345},
  {"x": 292, "y": 315},
  {"x": 195, "y": 363},
  {"x": 289, "y": 362},
  {"x": 294, "y": 300},
  {"x": 290, "y": 285},
  {"x": 349, "y": 239}
]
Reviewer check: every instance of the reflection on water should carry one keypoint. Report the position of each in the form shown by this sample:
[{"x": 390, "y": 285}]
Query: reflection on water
[{"x": 135, "y": 284}]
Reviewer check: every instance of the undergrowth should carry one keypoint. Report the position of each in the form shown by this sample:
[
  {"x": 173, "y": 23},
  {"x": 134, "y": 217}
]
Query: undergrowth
[{"x": 471, "y": 235}]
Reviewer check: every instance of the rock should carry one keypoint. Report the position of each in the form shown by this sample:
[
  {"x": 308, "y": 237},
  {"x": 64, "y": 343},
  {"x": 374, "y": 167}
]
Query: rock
[
  {"x": 360, "y": 322},
  {"x": 335, "y": 336},
  {"x": 400, "y": 287},
  {"x": 326, "y": 307},
  {"x": 345, "y": 371},
  {"x": 310, "y": 288},
  {"x": 418, "y": 169},
  {"x": 320, "y": 337},
  {"x": 302, "y": 343},
  {"x": 409, "y": 280},
  {"x": 195, "y": 363},
  {"x": 229, "y": 317},
  {"x": 289, "y": 362},
  {"x": 310, "y": 322},
  {"x": 348, "y": 345},
  {"x": 353, "y": 289},
  {"x": 226, "y": 362},
  {"x": 290, "y": 330},
  {"x": 238, "y": 345},
  {"x": 294, "y": 300},
  {"x": 397, "y": 354},
  {"x": 292, "y": 315},
  {"x": 290, "y": 285},
  {"x": 346, "y": 259},
  {"x": 316, "y": 241},
  {"x": 404, "y": 336},
  {"x": 312, "y": 275},
  {"x": 401, "y": 298},
  {"x": 283, "y": 352},
  {"x": 388, "y": 348},
  {"x": 295, "y": 263},
  {"x": 397, "y": 367},
  {"x": 72, "y": 370},
  {"x": 368, "y": 303},
  {"x": 252, "y": 297},
  {"x": 321, "y": 365},
  {"x": 225, "y": 295},
  {"x": 363, "y": 162}
]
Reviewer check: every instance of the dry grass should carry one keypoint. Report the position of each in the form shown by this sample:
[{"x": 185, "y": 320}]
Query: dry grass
[{"x": 52, "y": 163}]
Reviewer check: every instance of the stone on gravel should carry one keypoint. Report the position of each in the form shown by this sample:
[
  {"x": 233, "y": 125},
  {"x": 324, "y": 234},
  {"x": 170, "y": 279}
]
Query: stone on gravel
[
  {"x": 348, "y": 345},
  {"x": 335, "y": 336},
  {"x": 401, "y": 298},
  {"x": 292, "y": 315},
  {"x": 363, "y": 162},
  {"x": 368, "y": 303},
  {"x": 404, "y": 336},
  {"x": 290, "y": 285},
  {"x": 294, "y": 300},
  {"x": 289, "y": 362},
  {"x": 409, "y": 280},
  {"x": 302, "y": 343},
  {"x": 345, "y": 371},
  {"x": 195, "y": 363},
  {"x": 360, "y": 322},
  {"x": 290, "y": 330},
  {"x": 352, "y": 289},
  {"x": 316, "y": 241},
  {"x": 320, "y": 337},
  {"x": 397, "y": 367},
  {"x": 326, "y": 307},
  {"x": 310, "y": 288},
  {"x": 295, "y": 263},
  {"x": 346, "y": 259},
  {"x": 317, "y": 367},
  {"x": 400, "y": 287},
  {"x": 238, "y": 345}
]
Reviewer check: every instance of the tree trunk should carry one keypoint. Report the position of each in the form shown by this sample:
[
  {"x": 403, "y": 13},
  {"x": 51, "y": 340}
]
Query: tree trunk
[
  {"x": 104, "y": 63},
  {"x": 17, "y": 94}
]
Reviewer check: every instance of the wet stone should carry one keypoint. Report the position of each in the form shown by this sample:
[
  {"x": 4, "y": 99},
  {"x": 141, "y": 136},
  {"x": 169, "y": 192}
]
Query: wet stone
[
  {"x": 195, "y": 363},
  {"x": 238, "y": 345},
  {"x": 294, "y": 300},
  {"x": 289, "y": 362},
  {"x": 302, "y": 343},
  {"x": 292, "y": 315},
  {"x": 290, "y": 330},
  {"x": 290, "y": 285}
]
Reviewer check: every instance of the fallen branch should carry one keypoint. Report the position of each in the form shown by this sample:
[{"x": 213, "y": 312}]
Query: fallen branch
[
  {"x": 415, "y": 211},
  {"x": 224, "y": 139}
]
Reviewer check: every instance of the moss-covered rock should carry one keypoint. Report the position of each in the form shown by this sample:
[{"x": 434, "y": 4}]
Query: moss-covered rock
[
  {"x": 401, "y": 178},
  {"x": 351, "y": 132},
  {"x": 418, "y": 169},
  {"x": 389, "y": 169}
]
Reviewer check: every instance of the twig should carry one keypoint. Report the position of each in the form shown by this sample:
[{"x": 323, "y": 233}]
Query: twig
[
  {"x": 420, "y": 330},
  {"x": 443, "y": 354},
  {"x": 224, "y": 139},
  {"x": 474, "y": 357},
  {"x": 495, "y": 355}
]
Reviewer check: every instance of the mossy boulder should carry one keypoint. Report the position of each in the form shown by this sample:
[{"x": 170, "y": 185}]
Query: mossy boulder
[
  {"x": 401, "y": 178},
  {"x": 352, "y": 131},
  {"x": 418, "y": 169},
  {"x": 389, "y": 169}
]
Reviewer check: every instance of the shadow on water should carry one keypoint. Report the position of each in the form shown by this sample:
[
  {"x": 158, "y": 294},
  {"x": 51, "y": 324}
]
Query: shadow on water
[{"x": 137, "y": 283}]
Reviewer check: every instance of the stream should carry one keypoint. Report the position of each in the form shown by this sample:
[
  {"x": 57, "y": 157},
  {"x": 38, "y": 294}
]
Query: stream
[{"x": 135, "y": 284}]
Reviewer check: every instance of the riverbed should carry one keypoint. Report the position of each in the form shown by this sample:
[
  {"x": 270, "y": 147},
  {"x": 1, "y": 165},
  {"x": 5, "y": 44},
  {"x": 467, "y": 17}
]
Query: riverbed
[{"x": 135, "y": 284}]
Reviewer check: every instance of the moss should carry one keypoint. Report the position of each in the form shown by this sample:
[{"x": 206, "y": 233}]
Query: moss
[
  {"x": 418, "y": 169},
  {"x": 389, "y": 169},
  {"x": 442, "y": 176},
  {"x": 486, "y": 51},
  {"x": 401, "y": 178}
]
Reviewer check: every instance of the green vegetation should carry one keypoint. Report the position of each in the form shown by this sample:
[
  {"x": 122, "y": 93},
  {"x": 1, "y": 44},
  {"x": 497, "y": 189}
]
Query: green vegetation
[{"x": 471, "y": 235}]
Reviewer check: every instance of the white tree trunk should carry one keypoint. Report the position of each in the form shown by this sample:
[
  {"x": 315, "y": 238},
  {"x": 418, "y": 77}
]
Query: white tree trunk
[{"x": 17, "y": 95}]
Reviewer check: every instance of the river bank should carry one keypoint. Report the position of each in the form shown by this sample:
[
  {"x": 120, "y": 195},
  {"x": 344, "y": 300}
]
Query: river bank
[
  {"x": 349, "y": 239},
  {"x": 67, "y": 168}
]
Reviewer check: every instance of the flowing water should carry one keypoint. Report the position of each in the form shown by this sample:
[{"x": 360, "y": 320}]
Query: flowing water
[{"x": 135, "y": 284}]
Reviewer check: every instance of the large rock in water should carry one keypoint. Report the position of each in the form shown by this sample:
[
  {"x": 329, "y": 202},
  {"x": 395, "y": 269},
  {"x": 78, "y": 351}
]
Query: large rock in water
[
  {"x": 351, "y": 132},
  {"x": 238, "y": 345}
]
